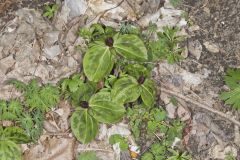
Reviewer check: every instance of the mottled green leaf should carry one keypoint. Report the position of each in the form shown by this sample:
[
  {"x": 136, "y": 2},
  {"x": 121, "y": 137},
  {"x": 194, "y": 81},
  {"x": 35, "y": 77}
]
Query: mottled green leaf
[
  {"x": 84, "y": 93},
  {"x": 148, "y": 93},
  {"x": 84, "y": 126},
  {"x": 103, "y": 109},
  {"x": 98, "y": 61},
  {"x": 130, "y": 46},
  {"x": 125, "y": 89},
  {"x": 137, "y": 70}
]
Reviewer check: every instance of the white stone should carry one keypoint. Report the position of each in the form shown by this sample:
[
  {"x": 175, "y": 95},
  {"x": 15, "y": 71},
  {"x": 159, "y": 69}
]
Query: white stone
[
  {"x": 52, "y": 52},
  {"x": 49, "y": 38},
  {"x": 77, "y": 7},
  {"x": 72, "y": 62},
  {"x": 171, "y": 109}
]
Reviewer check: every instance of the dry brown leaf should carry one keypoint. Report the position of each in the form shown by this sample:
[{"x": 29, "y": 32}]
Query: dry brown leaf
[{"x": 52, "y": 149}]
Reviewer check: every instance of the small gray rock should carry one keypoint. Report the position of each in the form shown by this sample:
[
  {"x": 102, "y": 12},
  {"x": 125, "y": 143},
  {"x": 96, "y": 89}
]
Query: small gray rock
[
  {"x": 195, "y": 48},
  {"x": 211, "y": 47},
  {"x": 52, "y": 52},
  {"x": 6, "y": 63}
]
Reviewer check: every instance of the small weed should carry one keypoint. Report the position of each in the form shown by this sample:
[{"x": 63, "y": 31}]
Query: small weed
[
  {"x": 167, "y": 46},
  {"x": 50, "y": 11},
  {"x": 230, "y": 156}
]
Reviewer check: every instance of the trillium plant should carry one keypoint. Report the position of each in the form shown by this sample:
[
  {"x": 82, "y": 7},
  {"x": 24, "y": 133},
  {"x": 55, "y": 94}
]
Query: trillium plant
[
  {"x": 95, "y": 103},
  {"x": 100, "y": 57}
]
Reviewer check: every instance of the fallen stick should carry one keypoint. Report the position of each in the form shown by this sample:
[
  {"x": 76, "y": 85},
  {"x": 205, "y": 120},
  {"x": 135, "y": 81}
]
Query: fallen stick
[{"x": 200, "y": 105}]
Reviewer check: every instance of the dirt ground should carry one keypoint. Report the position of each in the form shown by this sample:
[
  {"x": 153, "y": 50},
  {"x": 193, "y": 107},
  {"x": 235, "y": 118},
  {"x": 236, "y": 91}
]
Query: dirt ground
[
  {"x": 213, "y": 45},
  {"x": 219, "y": 24}
]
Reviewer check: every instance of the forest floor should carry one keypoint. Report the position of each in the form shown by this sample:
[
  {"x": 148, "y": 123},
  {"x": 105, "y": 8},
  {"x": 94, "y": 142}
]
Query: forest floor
[{"x": 32, "y": 46}]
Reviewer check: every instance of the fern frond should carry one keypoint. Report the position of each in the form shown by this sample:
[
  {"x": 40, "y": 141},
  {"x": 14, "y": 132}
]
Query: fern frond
[
  {"x": 10, "y": 137},
  {"x": 18, "y": 84},
  {"x": 10, "y": 111},
  {"x": 40, "y": 97},
  {"x": 32, "y": 123},
  {"x": 14, "y": 134},
  {"x": 9, "y": 150}
]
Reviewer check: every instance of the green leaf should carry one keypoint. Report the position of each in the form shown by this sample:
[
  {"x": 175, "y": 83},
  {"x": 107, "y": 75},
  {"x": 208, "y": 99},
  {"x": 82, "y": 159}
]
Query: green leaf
[
  {"x": 125, "y": 89},
  {"x": 147, "y": 156},
  {"x": 232, "y": 97},
  {"x": 152, "y": 126},
  {"x": 98, "y": 61},
  {"x": 73, "y": 83},
  {"x": 84, "y": 126},
  {"x": 127, "y": 28},
  {"x": 32, "y": 123},
  {"x": 175, "y": 131},
  {"x": 11, "y": 110},
  {"x": 103, "y": 109},
  {"x": 15, "y": 107},
  {"x": 50, "y": 10},
  {"x": 232, "y": 78},
  {"x": 176, "y": 155},
  {"x": 159, "y": 115},
  {"x": 130, "y": 46},
  {"x": 88, "y": 156},
  {"x": 47, "y": 8},
  {"x": 50, "y": 96},
  {"x": 84, "y": 93},
  {"x": 37, "y": 97},
  {"x": 148, "y": 93},
  {"x": 137, "y": 70},
  {"x": 117, "y": 138},
  {"x": 85, "y": 33},
  {"x": 166, "y": 47},
  {"x": 47, "y": 14},
  {"x": 158, "y": 149}
]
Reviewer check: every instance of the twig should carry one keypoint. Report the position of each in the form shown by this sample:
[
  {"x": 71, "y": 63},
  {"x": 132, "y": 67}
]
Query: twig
[
  {"x": 200, "y": 105},
  {"x": 157, "y": 136},
  {"x": 95, "y": 149},
  {"x": 56, "y": 134}
]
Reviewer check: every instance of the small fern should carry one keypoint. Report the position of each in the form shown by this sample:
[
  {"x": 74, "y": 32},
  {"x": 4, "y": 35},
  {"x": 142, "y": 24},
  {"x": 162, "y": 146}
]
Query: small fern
[
  {"x": 10, "y": 137},
  {"x": 32, "y": 123},
  {"x": 10, "y": 110},
  {"x": 36, "y": 97}
]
